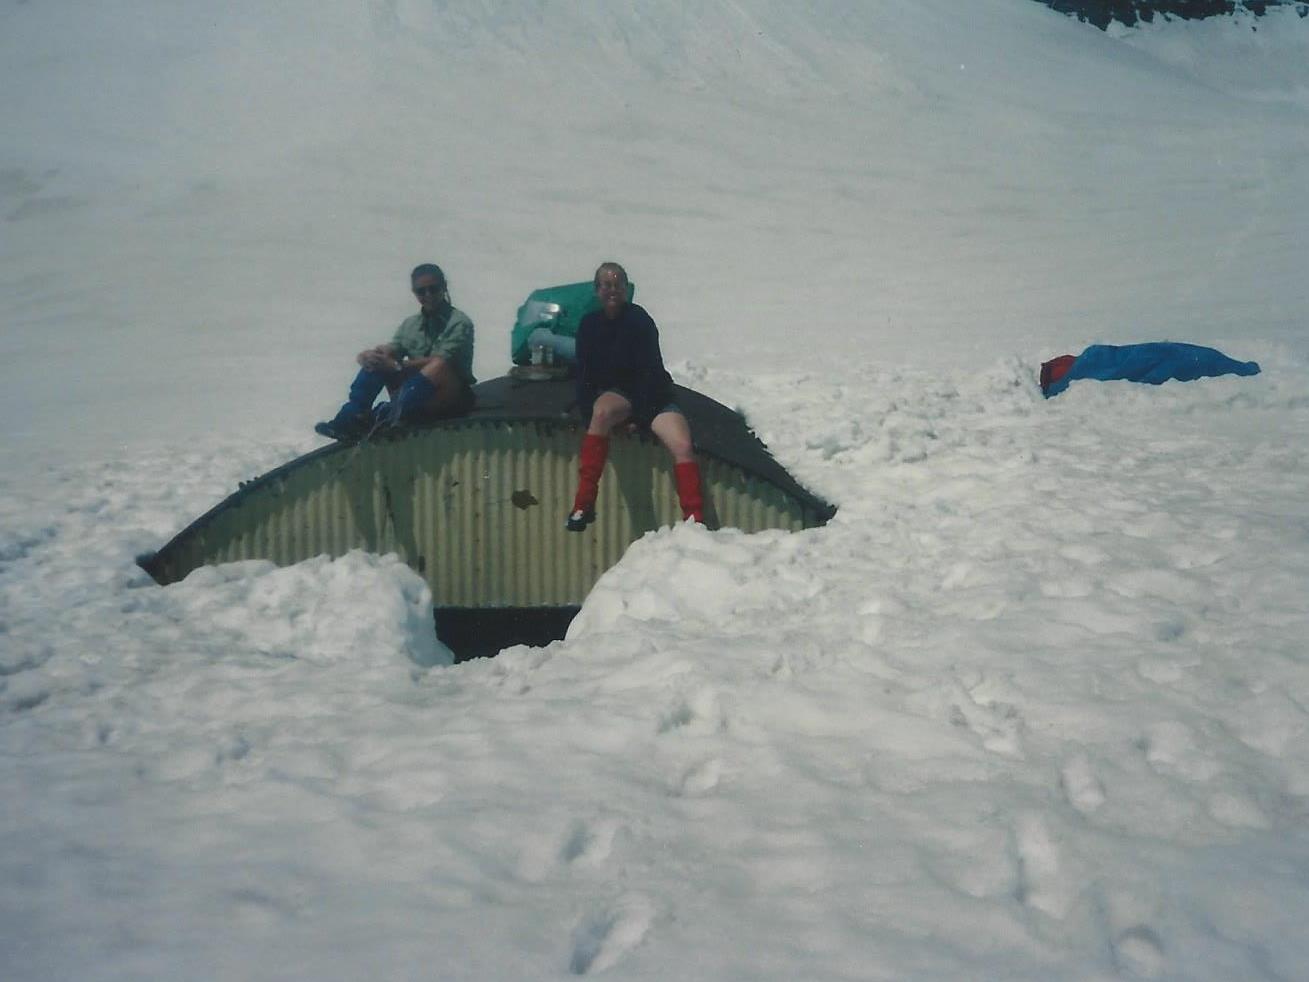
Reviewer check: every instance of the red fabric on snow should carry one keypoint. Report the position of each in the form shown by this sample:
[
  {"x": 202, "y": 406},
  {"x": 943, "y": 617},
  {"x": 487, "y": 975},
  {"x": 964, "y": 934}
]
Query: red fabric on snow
[{"x": 1055, "y": 369}]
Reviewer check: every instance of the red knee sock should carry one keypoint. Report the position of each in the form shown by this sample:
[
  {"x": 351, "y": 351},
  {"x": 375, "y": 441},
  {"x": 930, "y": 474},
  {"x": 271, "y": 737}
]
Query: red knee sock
[
  {"x": 595, "y": 451},
  {"x": 688, "y": 490}
]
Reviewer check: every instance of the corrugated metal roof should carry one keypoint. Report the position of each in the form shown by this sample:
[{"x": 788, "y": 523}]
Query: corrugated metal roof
[{"x": 476, "y": 503}]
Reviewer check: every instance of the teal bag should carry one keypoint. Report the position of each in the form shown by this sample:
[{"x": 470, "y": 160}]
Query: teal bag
[{"x": 559, "y": 309}]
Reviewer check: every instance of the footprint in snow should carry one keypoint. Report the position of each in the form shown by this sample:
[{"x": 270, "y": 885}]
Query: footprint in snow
[
  {"x": 1042, "y": 885},
  {"x": 1171, "y": 749},
  {"x": 573, "y": 844},
  {"x": 697, "y": 711},
  {"x": 701, "y": 779},
  {"x": 1080, "y": 785},
  {"x": 604, "y": 938},
  {"x": 1138, "y": 951},
  {"x": 998, "y": 725},
  {"x": 22, "y": 694},
  {"x": 589, "y": 844},
  {"x": 1237, "y": 811}
]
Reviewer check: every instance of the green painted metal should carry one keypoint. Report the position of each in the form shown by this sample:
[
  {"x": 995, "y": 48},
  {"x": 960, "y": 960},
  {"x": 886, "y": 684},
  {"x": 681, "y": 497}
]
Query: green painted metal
[{"x": 476, "y": 504}]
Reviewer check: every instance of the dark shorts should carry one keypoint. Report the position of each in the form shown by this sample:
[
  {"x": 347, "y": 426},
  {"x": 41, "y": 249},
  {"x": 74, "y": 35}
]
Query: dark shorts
[{"x": 641, "y": 419}]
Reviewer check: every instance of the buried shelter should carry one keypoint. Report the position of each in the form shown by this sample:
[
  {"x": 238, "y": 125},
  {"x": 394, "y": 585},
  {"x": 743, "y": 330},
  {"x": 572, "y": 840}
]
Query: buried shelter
[{"x": 472, "y": 503}]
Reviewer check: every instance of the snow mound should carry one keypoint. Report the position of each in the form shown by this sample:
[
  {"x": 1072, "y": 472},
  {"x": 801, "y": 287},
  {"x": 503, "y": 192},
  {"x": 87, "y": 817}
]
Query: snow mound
[
  {"x": 361, "y": 609},
  {"x": 697, "y": 580}
]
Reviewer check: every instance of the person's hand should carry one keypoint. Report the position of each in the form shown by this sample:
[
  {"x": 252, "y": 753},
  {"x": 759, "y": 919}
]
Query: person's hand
[{"x": 377, "y": 360}]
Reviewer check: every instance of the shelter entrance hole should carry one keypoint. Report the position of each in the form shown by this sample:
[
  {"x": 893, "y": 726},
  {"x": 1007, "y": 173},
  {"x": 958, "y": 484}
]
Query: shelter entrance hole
[{"x": 482, "y": 632}]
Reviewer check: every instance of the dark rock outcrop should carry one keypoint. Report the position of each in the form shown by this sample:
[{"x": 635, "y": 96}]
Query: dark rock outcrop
[{"x": 1129, "y": 12}]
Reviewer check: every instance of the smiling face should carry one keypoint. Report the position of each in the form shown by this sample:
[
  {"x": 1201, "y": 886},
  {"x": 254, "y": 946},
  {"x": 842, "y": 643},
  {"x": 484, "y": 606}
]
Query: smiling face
[
  {"x": 611, "y": 289},
  {"x": 430, "y": 291}
]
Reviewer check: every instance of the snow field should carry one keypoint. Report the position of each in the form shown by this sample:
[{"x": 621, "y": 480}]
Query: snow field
[
  {"x": 1032, "y": 706},
  {"x": 1029, "y": 699},
  {"x": 965, "y": 182}
]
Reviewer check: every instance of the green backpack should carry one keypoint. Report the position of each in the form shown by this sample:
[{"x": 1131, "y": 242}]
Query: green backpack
[{"x": 558, "y": 308}]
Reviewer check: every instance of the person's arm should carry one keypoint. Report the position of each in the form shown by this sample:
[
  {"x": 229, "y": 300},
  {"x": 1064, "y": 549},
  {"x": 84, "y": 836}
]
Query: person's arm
[
  {"x": 387, "y": 357},
  {"x": 384, "y": 357},
  {"x": 648, "y": 364},
  {"x": 586, "y": 389},
  {"x": 399, "y": 346}
]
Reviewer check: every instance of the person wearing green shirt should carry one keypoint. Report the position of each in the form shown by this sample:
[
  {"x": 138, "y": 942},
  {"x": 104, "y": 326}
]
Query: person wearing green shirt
[{"x": 427, "y": 367}]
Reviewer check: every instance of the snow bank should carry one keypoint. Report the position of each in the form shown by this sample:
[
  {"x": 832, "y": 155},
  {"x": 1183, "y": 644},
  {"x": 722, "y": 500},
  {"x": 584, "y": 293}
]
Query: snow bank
[{"x": 359, "y": 609}]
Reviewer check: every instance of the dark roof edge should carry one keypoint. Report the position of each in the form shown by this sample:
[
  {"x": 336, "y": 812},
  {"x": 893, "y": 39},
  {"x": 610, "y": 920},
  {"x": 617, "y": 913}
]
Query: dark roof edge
[{"x": 714, "y": 441}]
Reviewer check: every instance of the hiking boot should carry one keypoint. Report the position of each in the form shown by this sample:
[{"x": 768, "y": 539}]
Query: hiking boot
[
  {"x": 343, "y": 427},
  {"x": 578, "y": 520},
  {"x": 385, "y": 416},
  {"x": 353, "y": 420}
]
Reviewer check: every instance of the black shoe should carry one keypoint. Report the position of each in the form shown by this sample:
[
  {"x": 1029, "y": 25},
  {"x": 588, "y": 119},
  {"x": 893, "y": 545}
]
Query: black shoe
[
  {"x": 342, "y": 428},
  {"x": 385, "y": 416},
  {"x": 580, "y": 519}
]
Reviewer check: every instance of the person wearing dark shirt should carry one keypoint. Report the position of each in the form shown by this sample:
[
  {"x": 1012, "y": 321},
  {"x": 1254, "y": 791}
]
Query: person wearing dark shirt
[{"x": 621, "y": 380}]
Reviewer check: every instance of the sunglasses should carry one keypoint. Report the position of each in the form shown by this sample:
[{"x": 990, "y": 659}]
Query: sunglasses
[{"x": 425, "y": 291}]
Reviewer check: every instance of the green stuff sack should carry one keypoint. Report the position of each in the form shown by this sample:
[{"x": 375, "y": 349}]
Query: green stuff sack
[{"x": 560, "y": 309}]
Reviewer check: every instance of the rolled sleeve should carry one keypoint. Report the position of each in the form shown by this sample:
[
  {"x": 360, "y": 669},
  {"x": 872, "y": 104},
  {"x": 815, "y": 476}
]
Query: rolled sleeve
[
  {"x": 456, "y": 342},
  {"x": 455, "y": 345}
]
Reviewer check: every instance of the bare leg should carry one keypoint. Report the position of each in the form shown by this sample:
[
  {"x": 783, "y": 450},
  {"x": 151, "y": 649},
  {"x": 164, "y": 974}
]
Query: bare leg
[
  {"x": 450, "y": 388},
  {"x": 674, "y": 432},
  {"x": 610, "y": 411}
]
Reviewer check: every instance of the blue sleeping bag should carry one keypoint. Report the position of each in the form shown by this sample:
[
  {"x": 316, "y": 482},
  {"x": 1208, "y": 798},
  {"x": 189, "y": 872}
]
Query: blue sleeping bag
[{"x": 1154, "y": 362}]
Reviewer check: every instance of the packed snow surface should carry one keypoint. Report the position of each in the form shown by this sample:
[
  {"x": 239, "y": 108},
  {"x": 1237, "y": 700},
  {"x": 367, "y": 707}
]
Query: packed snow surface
[{"x": 1034, "y": 705}]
